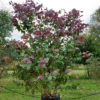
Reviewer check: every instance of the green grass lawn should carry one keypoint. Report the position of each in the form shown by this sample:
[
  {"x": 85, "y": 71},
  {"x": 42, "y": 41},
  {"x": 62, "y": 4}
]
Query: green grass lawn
[{"x": 85, "y": 87}]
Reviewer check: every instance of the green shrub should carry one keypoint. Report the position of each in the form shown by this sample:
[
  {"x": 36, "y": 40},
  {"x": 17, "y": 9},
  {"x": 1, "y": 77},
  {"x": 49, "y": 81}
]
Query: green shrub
[
  {"x": 94, "y": 67},
  {"x": 6, "y": 27}
]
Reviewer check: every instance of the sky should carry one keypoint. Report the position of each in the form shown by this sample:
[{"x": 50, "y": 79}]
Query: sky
[{"x": 87, "y": 6}]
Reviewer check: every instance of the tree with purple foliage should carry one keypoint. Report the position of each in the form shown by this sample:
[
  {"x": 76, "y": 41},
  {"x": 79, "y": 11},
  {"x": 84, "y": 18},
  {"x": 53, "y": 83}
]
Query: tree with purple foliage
[{"x": 52, "y": 37}]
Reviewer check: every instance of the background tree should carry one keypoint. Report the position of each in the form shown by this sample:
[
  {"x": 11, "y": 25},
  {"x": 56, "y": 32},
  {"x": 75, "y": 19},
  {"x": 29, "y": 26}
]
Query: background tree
[
  {"x": 92, "y": 43},
  {"x": 94, "y": 30},
  {"x": 88, "y": 47},
  {"x": 6, "y": 27}
]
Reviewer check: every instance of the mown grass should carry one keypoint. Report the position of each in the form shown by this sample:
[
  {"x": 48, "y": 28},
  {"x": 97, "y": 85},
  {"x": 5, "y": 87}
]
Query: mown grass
[{"x": 85, "y": 87}]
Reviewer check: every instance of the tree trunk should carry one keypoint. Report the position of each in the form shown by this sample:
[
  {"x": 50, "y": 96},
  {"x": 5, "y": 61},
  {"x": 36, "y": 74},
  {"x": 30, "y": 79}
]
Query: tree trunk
[{"x": 88, "y": 74}]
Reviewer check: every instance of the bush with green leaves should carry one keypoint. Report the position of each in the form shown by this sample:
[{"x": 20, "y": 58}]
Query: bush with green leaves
[
  {"x": 6, "y": 27},
  {"x": 94, "y": 67}
]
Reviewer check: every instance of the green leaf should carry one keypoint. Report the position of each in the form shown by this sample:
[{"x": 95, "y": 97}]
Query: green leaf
[
  {"x": 46, "y": 45},
  {"x": 57, "y": 56},
  {"x": 29, "y": 24},
  {"x": 41, "y": 25},
  {"x": 61, "y": 57},
  {"x": 31, "y": 79},
  {"x": 29, "y": 66},
  {"x": 55, "y": 26},
  {"x": 49, "y": 77},
  {"x": 24, "y": 65},
  {"x": 31, "y": 30},
  {"x": 37, "y": 68},
  {"x": 54, "y": 76}
]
